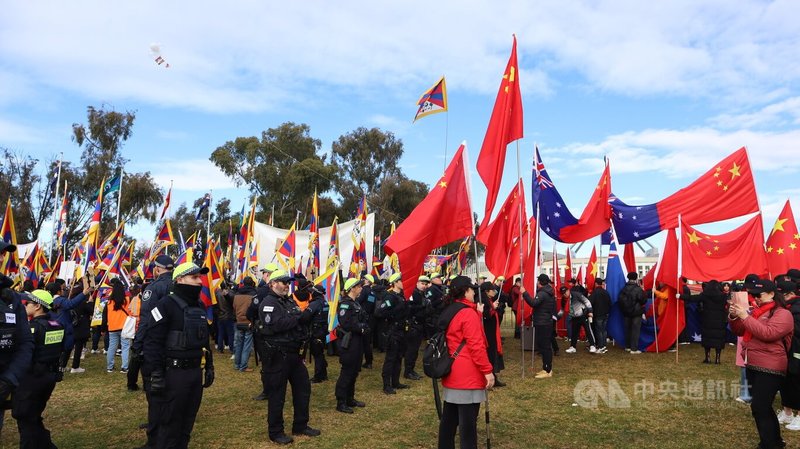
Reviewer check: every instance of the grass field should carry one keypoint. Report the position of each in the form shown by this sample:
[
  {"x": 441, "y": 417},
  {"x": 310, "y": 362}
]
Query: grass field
[{"x": 683, "y": 405}]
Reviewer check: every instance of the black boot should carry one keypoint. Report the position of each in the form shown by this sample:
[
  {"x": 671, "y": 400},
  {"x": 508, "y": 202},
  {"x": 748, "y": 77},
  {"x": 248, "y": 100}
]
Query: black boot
[
  {"x": 717, "y": 356},
  {"x": 352, "y": 402},
  {"x": 341, "y": 406},
  {"x": 708, "y": 352}
]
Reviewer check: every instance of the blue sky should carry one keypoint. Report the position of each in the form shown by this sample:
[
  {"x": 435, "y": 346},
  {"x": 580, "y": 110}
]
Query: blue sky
[{"x": 664, "y": 89}]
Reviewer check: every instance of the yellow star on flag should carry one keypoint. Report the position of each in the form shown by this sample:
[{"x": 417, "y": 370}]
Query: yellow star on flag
[
  {"x": 716, "y": 248},
  {"x": 792, "y": 246},
  {"x": 769, "y": 249},
  {"x": 725, "y": 188},
  {"x": 708, "y": 253},
  {"x": 719, "y": 183},
  {"x": 694, "y": 238},
  {"x": 797, "y": 236},
  {"x": 780, "y": 251},
  {"x": 443, "y": 184},
  {"x": 779, "y": 225},
  {"x": 735, "y": 171}
]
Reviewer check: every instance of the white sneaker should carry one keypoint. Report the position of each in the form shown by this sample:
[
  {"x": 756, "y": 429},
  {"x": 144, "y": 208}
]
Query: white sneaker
[
  {"x": 636, "y": 352},
  {"x": 627, "y": 349},
  {"x": 783, "y": 418},
  {"x": 571, "y": 350},
  {"x": 77, "y": 370},
  {"x": 592, "y": 349},
  {"x": 795, "y": 424},
  {"x": 233, "y": 357}
]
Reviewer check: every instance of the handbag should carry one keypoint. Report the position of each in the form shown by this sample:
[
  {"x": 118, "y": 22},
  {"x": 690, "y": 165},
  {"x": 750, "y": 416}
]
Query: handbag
[{"x": 129, "y": 326}]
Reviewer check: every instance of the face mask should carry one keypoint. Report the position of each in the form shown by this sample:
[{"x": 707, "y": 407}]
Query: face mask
[{"x": 188, "y": 291}]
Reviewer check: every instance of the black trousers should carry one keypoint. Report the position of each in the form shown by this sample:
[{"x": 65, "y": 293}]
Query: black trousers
[
  {"x": 578, "y": 323},
  {"x": 464, "y": 417},
  {"x": 350, "y": 359},
  {"x": 152, "y": 410},
  {"x": 790, "y": 391},
  {"x": 368, "y": 357},
  {"x": 542, "y": 336},
  {"x": 283, "y": 369},
  {"x": 395, "y": 348},
  {"x": 177, "y": 407},
  {"x": 258, "y": 345},
  {"x": 633, "y": 327},
  {"x": 77, "y": 352},
  {"x": 554, "y": 339},
  {"x": 134, "y": 366},
  {"x": 28, "y": 404},
  {"x": 413, "y": 342},
  {"x": 763, "y": 388},
  {"x": 317, "y": 349}
]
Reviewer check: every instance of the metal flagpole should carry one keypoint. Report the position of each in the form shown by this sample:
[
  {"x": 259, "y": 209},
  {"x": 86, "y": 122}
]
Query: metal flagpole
[
  {"x": 208, "y": 220},
  {"x": 119, "y": 192},
  {"x": 56, "y": 210}
]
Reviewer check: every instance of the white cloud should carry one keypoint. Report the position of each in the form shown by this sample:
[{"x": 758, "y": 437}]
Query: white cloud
[
  {"x": 13, "y": 133},
  {"x": 255, "y": 56},
  {"x": 195, "y": 175},
  {"x": 782, "y": 113}
]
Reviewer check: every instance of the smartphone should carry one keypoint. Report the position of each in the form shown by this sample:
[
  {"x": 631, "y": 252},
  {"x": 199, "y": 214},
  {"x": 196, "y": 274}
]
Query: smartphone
[{"x": 740, "y": 298}]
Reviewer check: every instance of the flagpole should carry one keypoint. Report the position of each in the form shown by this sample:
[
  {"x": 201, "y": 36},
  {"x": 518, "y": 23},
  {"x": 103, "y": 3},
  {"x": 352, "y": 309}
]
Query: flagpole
[
  {"x": 678, "y": 288},
  {"x": 169, "y": 206},
  {"x": 208, "y": 219},
  {"x": 119, "y": 192},
  {"x": 56, "y": 211}
]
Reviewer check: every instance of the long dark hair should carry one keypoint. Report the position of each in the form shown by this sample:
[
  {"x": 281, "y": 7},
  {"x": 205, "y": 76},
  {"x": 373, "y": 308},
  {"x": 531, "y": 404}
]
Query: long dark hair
[
  {"x": 454, "y": 294},
  {"x": 780, "y": 301},
  {"x": 117, "y": 294}
]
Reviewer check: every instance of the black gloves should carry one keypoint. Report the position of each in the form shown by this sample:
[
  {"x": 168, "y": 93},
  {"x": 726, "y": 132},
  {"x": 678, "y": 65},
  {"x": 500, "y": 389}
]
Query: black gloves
[
  {"x": 209, "y": 377},
  {"x": 365, "y": 330},
  {"x": 158, "y": 383}
]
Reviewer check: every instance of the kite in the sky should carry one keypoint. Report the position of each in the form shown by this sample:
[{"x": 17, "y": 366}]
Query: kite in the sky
[{"x": 155, "y": 49}]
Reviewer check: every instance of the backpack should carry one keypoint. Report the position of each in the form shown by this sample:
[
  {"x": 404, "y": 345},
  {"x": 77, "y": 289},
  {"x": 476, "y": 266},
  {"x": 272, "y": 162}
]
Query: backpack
[
  {"x": 627, "y": 302},
  {"x": 436, "y": 358}
]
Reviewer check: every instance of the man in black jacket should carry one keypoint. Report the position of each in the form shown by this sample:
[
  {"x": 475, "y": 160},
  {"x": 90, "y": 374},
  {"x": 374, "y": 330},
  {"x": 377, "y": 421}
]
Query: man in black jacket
[
  {"x": 601, "y": 307},
  {"x": 544, "y": 307},
  {"x": 632, "y": 301}
]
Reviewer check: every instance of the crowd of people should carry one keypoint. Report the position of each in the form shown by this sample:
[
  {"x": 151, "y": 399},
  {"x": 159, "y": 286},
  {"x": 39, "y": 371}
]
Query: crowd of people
[{"x": 159, "y": 332}]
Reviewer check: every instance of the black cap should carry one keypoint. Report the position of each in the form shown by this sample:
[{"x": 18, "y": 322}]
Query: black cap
[
  {"x": 760, "y": 286},
  {"x": 794, "y": 273},
  {"x": 6, "y": 247},
  {"x": 248, "y": 282},
  {"x": 598, "y": 281},
  {"x": 486, "y": 286},
  {"x": 786, "y": 286},
  {"x": 749, "y": 280},
  {"x": 562, "y": 289},
  {"x": 543, "y": 279},
  {"x": 164, "y": 261},
  {"x": 462, "y": 281}
]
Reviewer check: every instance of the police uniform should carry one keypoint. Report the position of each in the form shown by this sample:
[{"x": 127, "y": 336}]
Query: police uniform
[
  {"x": 30, "y": 398},
  {"x": 367, "y": 301},
  {"x": 284, "y": 330},
  {"x": 252, "y": 314},
  {"x": 319, "y": 332},
  {"x": 418, "y": 306},
  {"x": 16, "y": 340},
  {"x": 395, "y": 314},
  {"x": 174, "y": 346},
  {"x": 351, "y": 334}
]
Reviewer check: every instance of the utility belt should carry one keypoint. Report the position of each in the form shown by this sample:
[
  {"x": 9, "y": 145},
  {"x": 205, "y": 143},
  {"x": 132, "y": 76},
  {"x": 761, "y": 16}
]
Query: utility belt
[
  {"x": 43, "y": 368},
  {"x": 183, "y": 363}
]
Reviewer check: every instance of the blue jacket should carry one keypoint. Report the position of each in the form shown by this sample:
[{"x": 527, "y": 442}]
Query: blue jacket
[{"x": 61, "y": 309}]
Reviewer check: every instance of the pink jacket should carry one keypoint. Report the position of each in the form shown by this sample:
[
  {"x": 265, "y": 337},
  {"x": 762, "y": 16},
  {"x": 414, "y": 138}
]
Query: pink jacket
[
  {"x": 771, "y": 337},
  {"x": 472, "y": 364}
]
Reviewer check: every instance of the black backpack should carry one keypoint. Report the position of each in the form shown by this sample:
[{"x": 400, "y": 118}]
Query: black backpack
[{"x": 436, "y": 358}]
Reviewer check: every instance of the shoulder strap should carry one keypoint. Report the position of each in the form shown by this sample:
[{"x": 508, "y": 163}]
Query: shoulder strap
[{"x": 448, "y": 314}]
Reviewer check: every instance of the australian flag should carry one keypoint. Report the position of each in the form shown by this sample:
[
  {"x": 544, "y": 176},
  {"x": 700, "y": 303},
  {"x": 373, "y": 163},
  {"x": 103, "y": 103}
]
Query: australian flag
[
  {"x": 634, "y": 223},
  {"x": 553, "y": 213},
  {"x": 204, "y": 206}
]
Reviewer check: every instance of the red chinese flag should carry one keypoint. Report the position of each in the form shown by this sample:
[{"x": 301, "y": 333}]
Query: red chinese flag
[
  {"x": 505, "y": 126},
  {"x": 668, "y": 265},
  {"x": 596, "y": 216},
  {"x": 592, "y": 271},
  {"x": 726, "y": 256},
  {"x": 671, "y": 322},
  {"x": 630, "y": 258},
  {"x": 726, "y": 191},
  {"x": 425, "y": 228},
  {"x": 500, "y": 235},
  {"x": 782, "y": 245},
  {"x": 568, "y": 266}
]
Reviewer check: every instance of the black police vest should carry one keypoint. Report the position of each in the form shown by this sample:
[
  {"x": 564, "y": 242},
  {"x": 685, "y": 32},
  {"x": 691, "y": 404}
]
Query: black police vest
[
  {"x": 48, "y": 346},
  {"x": 294, "y": 337},
  {"x": 8, "y": 328},
  {"x": 194, "y": 335}
]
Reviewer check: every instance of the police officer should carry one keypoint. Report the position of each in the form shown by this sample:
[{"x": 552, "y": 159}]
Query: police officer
[
  {"x": 395, "y": 312},
  {"x": 352, "y": 334},
  {"x": 30, "y": 398},
  {"x": 151, "y": 296},
  {"x": 319, "y": 333},
  {"x": 16, "y": 340},
  {"x": 252, "y": 314},
  {"x": 284, "y": 330},
  {"x": 418, "y": 306},
  {"x": 174, "y": 347},
  {"x": 367, "y": 301}
]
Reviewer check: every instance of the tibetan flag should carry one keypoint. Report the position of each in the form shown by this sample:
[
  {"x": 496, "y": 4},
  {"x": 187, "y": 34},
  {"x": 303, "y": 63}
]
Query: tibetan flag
[
  {"x": 93, "y": 235},
  {"x": 191, "y": 242},
  {"x": 61, "y": 228},
  {"x": 434, "y": 261},
  {"x": 287, "y": 248},
  {"x": 333, "y": 247},
  {"x": 433, "y": 101},
  {"x": 725, "y": 191},
  {"x": 313, "y": 241},
  {"x": 56, "y": 268},
  {"x": 112, "y": 240},
  {"x": 722, "y": 257},
  {"x": 186, "y": 256},
  {"x": 165, "y": 233},
  {"x": 505, "y": 126},
  {"x": 330, "y": 282},
  {"x": 423, "y": 229},
  {"x": 127, "y": 256},
  {"x": 782, "y": 244},
  {"x": 554, "y": 217},
  {"x": 358, "y": 258},
  {"x": 166, "y": 203},
  {"x": 203, "y": 206},
  {"x": 592, "y": 271},
  {"x": 10, "y": 262}
]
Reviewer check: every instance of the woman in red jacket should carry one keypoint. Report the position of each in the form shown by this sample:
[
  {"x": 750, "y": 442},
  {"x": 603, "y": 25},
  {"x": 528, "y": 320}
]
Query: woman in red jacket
[
  {"x": 471, "y": 374},
  {"x": 766, "y": 334}
]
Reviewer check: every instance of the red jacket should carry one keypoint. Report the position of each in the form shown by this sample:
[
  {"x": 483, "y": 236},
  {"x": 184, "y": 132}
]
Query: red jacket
[
  {"x": 771, "y": 337},
  {"x": 470, "y": 368}
]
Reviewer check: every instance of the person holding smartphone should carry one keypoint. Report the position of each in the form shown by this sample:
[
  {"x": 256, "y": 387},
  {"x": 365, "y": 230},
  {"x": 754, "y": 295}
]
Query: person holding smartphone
[{"x": 766, "y": 335}]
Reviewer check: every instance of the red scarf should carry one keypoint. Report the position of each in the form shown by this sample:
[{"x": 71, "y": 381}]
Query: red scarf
[{"x": 756, "y": 314}]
